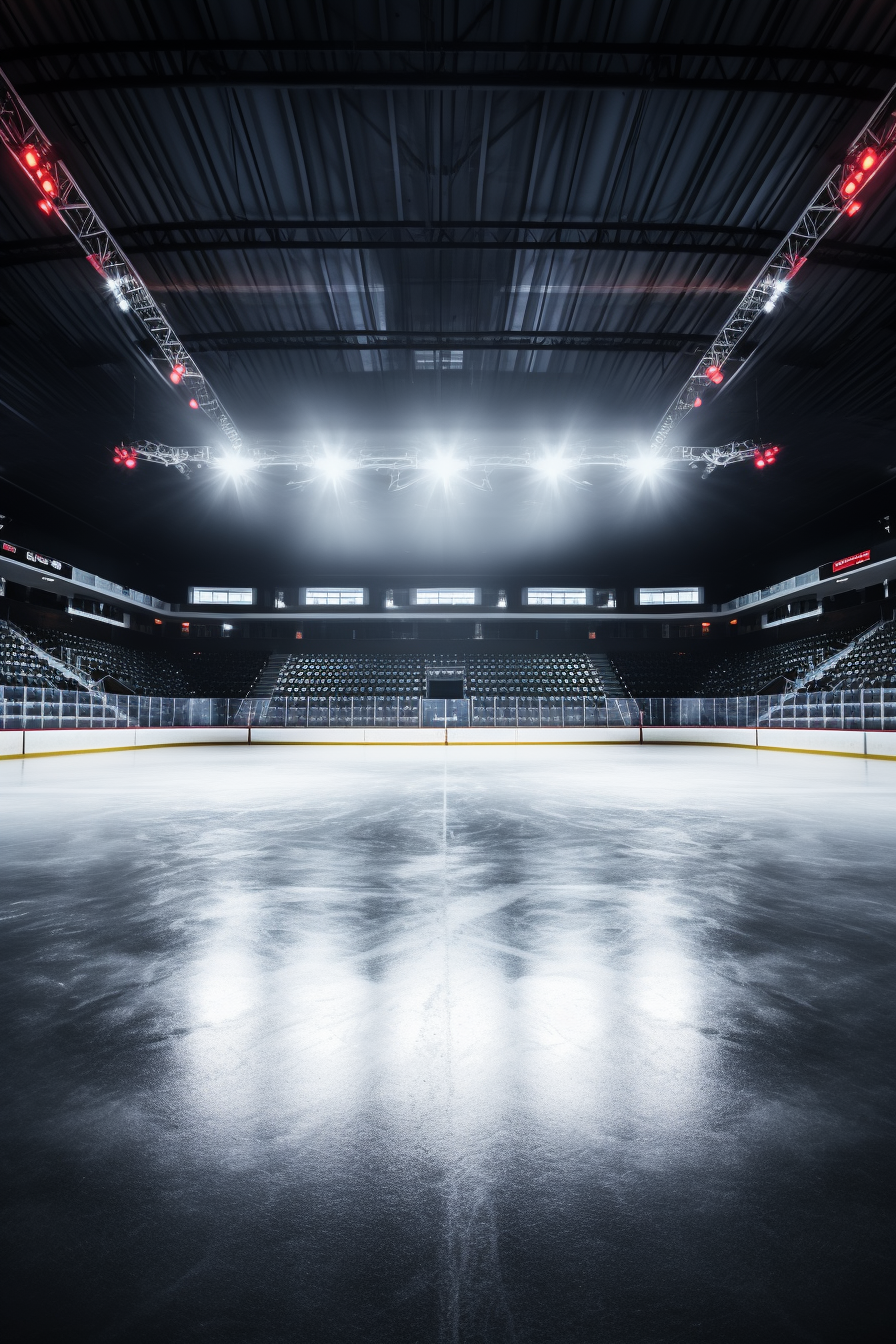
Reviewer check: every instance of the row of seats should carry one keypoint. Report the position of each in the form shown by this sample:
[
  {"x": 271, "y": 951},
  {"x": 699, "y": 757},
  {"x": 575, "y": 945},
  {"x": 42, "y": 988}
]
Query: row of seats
[
  {"x": 351, "y": 674},
  {"x": 531, "y": 674},
  {"x": 401, "y": 674}
]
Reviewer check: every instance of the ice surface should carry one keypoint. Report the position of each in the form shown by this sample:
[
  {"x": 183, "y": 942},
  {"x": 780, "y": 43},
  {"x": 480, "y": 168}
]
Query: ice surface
[{"x": 415, "y": 1043}]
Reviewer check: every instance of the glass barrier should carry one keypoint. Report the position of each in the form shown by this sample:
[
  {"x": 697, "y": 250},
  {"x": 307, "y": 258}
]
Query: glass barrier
[{"x": 35, "y": 707}]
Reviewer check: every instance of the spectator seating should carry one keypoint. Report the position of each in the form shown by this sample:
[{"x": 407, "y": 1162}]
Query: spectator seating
[
  {"x": 194, "y": 672},
  {"x": 748, "y": 672},
  {"x": 21, "y": 666},
  {"x": 872, "y": 663},
  {"x": 531, "y": 674},
  {"x": 673, "y": 672},
  {"x": 313, "y": 674}
]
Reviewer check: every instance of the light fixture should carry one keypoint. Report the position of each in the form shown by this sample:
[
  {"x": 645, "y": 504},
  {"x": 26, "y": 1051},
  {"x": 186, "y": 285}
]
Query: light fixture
[
  {"x": 714, "y": 373},
  {"x": 194, "y": 404},
  {"x": 123, "y": 304},
  {"x": 698, "y": 401},
  {"x": 769, "y": 306},
  {"x": 234, "y": 467},
  {"x": 649, "y": 466}
]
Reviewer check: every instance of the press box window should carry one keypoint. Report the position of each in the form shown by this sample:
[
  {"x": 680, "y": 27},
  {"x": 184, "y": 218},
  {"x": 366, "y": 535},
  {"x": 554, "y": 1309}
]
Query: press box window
[
  {"x": 333, "y": 597},
  {"x": 222, "y": 597},
  {"x": 446, "y": 597},
  {"x": 668, "y": 597},
  {"x": 568, "y": 597}
]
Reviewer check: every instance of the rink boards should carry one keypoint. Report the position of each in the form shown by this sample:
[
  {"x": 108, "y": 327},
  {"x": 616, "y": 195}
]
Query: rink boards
[{"x": 16, "y": 743}]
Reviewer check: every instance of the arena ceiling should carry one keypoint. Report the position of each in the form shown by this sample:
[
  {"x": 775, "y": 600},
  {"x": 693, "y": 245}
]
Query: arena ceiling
[{"x": 327, "y": 199}]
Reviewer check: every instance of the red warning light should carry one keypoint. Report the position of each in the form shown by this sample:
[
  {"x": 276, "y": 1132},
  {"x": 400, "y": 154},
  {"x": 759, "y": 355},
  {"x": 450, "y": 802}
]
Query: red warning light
[
  {"x": 46, "y": 206},
  {"x": 48, "y": 184},
  {"x": 853, "y": 208},
  {"x": 698, "y": 401},
  {"x": 130, "y": 462},
  {"x": 194, "y": 404},
  {"x": 868, "y": 159},
  {"x": 760, "y": 461},
  {"x": 30, "y": 157},
  {"x": 714, "y": 373}
]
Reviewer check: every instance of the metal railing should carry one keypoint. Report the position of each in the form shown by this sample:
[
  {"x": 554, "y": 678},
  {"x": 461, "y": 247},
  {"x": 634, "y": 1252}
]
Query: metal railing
[{"x": 35, "y": 707}]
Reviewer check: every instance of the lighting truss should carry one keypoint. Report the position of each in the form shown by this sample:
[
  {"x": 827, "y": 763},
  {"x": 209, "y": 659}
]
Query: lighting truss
[
  {"x": 836, "y": 197},
  {"x": 60, "y": 195},
  {"x": 406, "y": 469}
]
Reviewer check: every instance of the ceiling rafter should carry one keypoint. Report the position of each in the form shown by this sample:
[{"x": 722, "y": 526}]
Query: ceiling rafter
[{"x": 464, "y": 235}]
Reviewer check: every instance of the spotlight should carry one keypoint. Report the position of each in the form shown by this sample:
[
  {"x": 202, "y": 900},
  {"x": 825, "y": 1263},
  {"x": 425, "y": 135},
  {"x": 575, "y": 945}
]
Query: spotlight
[
  {"x": 853, "y": 208},
  {"x": 552, "y": 467},
  {"x": 698, "y": 401},
  {"x": 769, "y": 306},
  {"x": 714, "y": 373},
  {"x": 194, "y": 404},
  {"x": 333, "y": 468},
  {"x": 46, "y": 206},
  {"x": 234, "y": 467},
  {"x": 444, "y": 468},
  {"x": 175, "y": 376},
  {"x": 123, "y": 304},
  {"x": 30, "y": 157},
  {"x": 48, "y": 184},
  {"x": 649, "y": 467}
]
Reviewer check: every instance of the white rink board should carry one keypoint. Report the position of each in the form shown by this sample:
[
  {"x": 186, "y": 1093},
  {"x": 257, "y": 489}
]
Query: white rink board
[
  {"x": 848, "y": 742},
  {"x": 722, "y": 737},
  {"x": 12, "y": 741},
  {"x": 407, "y": 737}
]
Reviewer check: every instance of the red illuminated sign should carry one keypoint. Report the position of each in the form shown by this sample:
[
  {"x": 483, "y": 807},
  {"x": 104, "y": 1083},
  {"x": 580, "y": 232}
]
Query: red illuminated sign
[{"x": 860, "y": 558}]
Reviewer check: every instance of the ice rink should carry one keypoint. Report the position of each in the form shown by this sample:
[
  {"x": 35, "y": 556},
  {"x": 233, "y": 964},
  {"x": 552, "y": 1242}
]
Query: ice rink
[{"x": 540, "y": 1044}]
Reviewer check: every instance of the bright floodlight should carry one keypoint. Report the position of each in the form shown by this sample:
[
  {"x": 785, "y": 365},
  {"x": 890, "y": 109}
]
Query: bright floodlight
[
  {"x": 444, "y": 467},
  {"x": 649, "y": 467},
  {"x": 234, "y": 467},
  {"x": 333, "y": 468},
  {"x": 552, "y": 466}
]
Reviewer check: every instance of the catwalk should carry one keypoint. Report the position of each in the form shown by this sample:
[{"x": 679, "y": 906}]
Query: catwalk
[{"x": 548, "y": 1044}]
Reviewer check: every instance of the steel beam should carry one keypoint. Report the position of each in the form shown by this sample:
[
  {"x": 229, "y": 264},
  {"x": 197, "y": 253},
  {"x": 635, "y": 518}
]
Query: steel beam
[
  {"x": 670, "y": 342},
  {"x": 217, "y": 235}
]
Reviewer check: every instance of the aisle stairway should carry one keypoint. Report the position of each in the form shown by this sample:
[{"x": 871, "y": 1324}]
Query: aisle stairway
[
  {"x": 270, "y": 673},
  {"x": 609, "y": 677}
]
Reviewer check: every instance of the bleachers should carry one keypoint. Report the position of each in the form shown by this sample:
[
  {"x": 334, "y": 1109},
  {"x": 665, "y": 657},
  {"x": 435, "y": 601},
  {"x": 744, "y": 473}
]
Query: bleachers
[
  {"x": 406, "y": 674},
  {"x": 531, "y": 674},
  {"x": 216, "y": 672},
  {"x": 144, "y": 673},
  {"x": 351, "y": 674},
  {"x": 21, "y": 666},
  {"x": 748, "y": 672},
  {"x": 671, "y": 672},
  {"x": 198, "y": 672},
  {"x": 872, "y": 663}
]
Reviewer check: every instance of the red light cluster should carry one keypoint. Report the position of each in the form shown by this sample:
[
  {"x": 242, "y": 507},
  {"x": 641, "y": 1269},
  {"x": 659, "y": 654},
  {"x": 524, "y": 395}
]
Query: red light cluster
[
  {"x": 42, "y": 171},
  {"x": 177, "y": 373},
  {"x": 714, "y": 373},
  {"x": 765, "y": 457},
  {"x": 863, "y": 164},
  {"x": 125, "y": 457}
]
